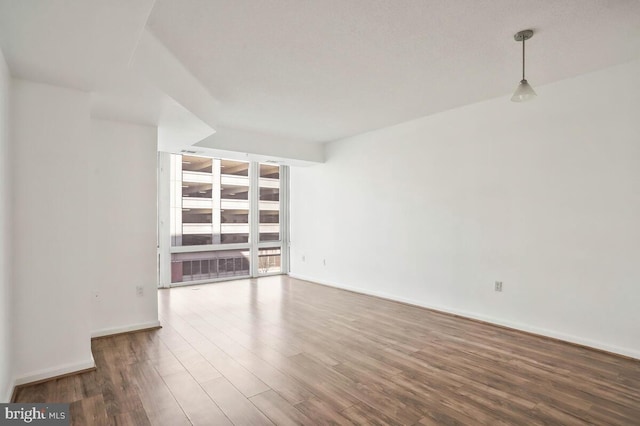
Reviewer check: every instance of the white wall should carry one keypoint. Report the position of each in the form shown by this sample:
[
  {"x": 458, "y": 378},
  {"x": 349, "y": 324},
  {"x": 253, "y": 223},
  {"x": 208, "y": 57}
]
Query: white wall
[
  {"x": 246, "y": 142},
  {"x": 50, "y": 134},
  {"x": 122, "y": 232},
  {"x": 544, "y": 196},
  {"x": 6, "y": 380},
  {"x": 84, "y": 225}
]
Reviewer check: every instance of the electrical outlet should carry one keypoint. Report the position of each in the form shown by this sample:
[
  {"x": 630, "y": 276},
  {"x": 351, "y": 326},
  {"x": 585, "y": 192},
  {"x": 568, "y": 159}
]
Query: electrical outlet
[
  {"x": 139, "y": 290},
  {"x": 498, "y": 286}
]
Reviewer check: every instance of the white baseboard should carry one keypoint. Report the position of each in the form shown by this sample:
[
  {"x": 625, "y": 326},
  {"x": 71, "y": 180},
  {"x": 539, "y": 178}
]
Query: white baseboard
[
  {"x": 54, "y": 372},
  {"x": 124, "y": 329},
  {"x": 75, "y": 367},
  {"x": 505, "y": 323}
]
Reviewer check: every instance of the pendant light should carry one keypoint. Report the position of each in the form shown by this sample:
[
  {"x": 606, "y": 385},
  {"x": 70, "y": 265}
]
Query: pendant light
[{"x": 524, "y": 92}]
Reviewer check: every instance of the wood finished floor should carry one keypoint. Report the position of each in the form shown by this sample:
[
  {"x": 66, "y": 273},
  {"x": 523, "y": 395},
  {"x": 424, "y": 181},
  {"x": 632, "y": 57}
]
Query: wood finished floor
[{"x": 283, "y": 351}]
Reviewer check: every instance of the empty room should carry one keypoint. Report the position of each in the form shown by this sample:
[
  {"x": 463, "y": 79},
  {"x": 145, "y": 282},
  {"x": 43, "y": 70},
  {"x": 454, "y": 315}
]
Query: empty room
[{"x": 317, "y": 212}]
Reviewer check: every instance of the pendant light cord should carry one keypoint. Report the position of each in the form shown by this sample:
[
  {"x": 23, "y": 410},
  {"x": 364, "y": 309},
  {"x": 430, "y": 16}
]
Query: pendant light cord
[{"x": 523, "y": 40}]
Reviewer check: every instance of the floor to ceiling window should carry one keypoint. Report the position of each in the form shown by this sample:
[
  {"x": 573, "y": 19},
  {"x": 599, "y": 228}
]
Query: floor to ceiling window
[{"x": 220, "y": 219}]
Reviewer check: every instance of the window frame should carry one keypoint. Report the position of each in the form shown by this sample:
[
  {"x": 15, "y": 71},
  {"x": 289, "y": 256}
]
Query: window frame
[{"x": 166, "y": 248}]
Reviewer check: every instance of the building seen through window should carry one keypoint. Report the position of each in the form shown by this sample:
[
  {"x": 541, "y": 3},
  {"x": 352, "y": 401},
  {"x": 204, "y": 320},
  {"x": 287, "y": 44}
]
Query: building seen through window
[{"x": 211, "y": 206}]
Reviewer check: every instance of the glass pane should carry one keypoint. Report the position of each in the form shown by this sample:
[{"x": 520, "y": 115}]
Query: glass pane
[
  {"x": 186, "y": 268},
  {"x": 206, "y": 265},
  {"x": 195, "y": 267},
  {"x": 231, "y": 268},
  {"x": 196, "y": 190},
  {"x": 196, "y": 164},
  {"x": 210, "y": 205},
  {"x": 222, "y": 266},
  {"x": 196, "y": 227},
  {"x": 234, "y": 202},
  {"x": 269, "y": 260},
  {"x": 269, "y": 207},
  {"x": 192, "y": 204},
  {"x": 209, "y": 201}
]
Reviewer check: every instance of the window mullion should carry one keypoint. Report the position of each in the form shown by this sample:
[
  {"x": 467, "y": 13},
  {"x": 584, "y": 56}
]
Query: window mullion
[{"x": 254, "y": 214}]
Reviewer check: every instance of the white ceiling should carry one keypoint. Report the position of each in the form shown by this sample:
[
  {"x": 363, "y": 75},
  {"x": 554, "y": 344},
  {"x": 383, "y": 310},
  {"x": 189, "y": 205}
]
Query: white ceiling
[
  {"x": 309, "y": 71},
  {"x": 90, "y": 45},
  {"x": 321, "y": 70}
]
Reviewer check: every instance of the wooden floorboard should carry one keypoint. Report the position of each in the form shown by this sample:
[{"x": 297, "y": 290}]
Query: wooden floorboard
[{"x": 283, "y": 351}]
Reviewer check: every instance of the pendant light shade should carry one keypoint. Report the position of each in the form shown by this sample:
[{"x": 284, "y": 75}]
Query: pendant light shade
[{"x": 524, "y": 92}]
